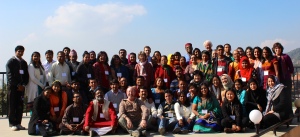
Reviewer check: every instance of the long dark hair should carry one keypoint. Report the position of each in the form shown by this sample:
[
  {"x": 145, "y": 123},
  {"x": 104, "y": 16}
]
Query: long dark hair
[
  {"x": 260, "y": 52},
  {"x": 186, "y": 103},
  {"x": 57, "y": 83},
  {"x": 208, "y": 96},
  {"x": 39, "y": 63},
  {"x": 112, "y": 61},
  {"x": 270, "y": 55},
  {"x": 105, "y": 54}
]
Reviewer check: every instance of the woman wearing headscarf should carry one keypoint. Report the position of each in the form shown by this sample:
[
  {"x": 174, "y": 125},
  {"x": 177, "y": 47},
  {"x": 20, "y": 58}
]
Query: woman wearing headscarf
[
  {"x": 131, "y": 65},
  {"x": 255, "y": 98},
  {"x": 276, "y": 109},
  {"x": 227, "y": 85},
  {"x": 245, "y": 69}
]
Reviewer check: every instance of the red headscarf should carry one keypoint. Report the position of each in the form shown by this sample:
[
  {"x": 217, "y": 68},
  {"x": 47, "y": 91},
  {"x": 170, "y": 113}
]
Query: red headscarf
[{"x": 245, "y": 72}]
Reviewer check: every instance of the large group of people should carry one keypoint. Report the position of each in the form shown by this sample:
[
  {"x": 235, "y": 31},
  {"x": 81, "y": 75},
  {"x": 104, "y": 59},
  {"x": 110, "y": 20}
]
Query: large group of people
[{"x": 201, "y": 92}]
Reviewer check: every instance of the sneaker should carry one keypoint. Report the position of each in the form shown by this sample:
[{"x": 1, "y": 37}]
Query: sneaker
[
  {"x": 184, "y": 131},
  {"x": 93, "y": 133},
  {"x": 161, "y": 131},
  {"x": 20, "y": 127},
  {"x": 135, "y": 133},
  {"x": 176, "y": 130},
  {"x": 14, "y": 128}
]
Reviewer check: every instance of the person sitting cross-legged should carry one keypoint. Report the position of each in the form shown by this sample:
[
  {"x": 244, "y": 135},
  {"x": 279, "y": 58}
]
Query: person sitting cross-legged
[
  {"x": 166, "y": 114},
  {"x": 100, "y": 116},
  {"x": 73, "y": 119},
  {"x": 133, "y": 114}
]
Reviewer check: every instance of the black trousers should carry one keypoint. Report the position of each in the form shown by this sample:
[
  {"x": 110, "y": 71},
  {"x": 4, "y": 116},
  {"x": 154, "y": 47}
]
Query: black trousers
[
  {"x": 269, "y": 120},
  {"x": 225, "y": 122},
  {"x": 288, "y": 91},
  {"x": 15, "y": 106}
]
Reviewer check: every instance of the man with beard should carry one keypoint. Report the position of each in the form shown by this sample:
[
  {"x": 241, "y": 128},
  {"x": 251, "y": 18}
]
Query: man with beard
[
  {"x": 100, "y": 116},
  {"x": 133, "y": 114},
  {"x": 73, "y": 118}
]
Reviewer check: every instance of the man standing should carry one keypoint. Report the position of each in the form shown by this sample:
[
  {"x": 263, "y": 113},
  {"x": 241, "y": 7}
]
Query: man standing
[
  {"x": 189, "y": 51},
  {"x": 208, "y": 46},
  {"x": 122, "y": 55},
  {"x": 17, "y": 79},
  {"x": 73, "y": 63},
  {"x": 60, "y": 70},
  {"x": 227, "y": 51},
  {"x": 67, "y": 50},
  {"x": 221, "y": 62},
  {"x": 47, "y": 64},
  {"x": 147, "y": 50},
  {"x": 133, "y": 114}
]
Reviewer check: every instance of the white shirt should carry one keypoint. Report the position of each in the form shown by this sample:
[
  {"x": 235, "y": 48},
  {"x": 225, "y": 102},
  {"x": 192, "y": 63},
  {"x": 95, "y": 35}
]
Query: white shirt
[
  {"x": 151, "y": 107},
  {"x": 60, "y": 72},
  {"x": 183, "y": 112},
  {"x": 47, "y": 67}
]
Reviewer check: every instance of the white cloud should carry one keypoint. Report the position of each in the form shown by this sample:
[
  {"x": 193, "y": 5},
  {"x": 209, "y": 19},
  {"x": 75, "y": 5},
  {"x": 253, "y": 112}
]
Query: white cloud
[
  {"x": 76, "y": 19},
  {"x": 28, "y": 39},
  {"x": 288, "y": 45}
]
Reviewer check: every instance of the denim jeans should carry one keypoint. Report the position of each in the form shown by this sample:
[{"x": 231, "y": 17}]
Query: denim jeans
[
  {"x": 186, "y": 125},
  {"x": 167, "y": 123}
]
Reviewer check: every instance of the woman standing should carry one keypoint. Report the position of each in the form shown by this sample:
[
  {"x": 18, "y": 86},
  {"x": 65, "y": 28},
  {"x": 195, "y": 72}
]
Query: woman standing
[
  {"x": 206, "y": 66},
  {"x": 37, "y": 79},
  {"x": 131, "y": 65},
  {"x": 232, "y": 113},
  {"x": 269, "y": 65},
  {"x": 285, "y": 69},
  {"x": 165, "y": 71},
  {"x": 118, "y": 69},
  {"x": 102, "y": 71},
  {"x": 144, "y": 69},
  {"x": 250, "y": 55},
  {"x": 207, "y": 110}
]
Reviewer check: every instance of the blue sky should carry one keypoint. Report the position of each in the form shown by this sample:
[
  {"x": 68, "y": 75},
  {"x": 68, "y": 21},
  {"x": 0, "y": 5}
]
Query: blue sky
[{"x": 131, "y": 24}]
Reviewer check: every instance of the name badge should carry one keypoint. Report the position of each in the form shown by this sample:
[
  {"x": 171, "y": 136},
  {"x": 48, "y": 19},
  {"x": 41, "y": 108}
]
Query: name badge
[
  {"x": 219, "y": 69},
  {"x": 73, "y": 73},
  {"x": 266, "y": 72},
  {"x": 101, "y": 115},
  {"x": 166, "y": 80},
  {"x": 204, "y": 111},
  {"x": 89, "y": 76},
  {"x": 64, "y": 74},
  {"x": 244, "y": 79},
  {"x": 115, "y": 105},
  {"x": 170, "y": 114},
  {"x": 119, "y": 74},
  {"x": 157, "y": 101},
  {"x": 75, "y": 119},
  {"x": 232, "y": 117},
  {"x": 56, "y": 109},
  {"x": 21, "y": 71},
  {"x": 106, "y": 72}
]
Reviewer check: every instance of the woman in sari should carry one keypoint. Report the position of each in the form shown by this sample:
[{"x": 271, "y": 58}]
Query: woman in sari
[
  {"x": 208, "y": 112},
  {"x": 276, "y": 109}
]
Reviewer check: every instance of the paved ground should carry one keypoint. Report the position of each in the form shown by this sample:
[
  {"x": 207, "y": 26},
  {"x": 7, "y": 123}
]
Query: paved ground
[{"x": 6, "y": 132}]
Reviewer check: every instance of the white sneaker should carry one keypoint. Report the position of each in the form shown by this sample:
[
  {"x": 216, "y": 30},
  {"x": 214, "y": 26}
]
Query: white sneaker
[
  {"x": 20, "y": 127},
  {"x": 14, "y": 128}
]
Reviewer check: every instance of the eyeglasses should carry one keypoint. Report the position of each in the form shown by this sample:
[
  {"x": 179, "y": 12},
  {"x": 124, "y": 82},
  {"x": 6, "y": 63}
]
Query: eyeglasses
[{"x": 76, "y": 97}]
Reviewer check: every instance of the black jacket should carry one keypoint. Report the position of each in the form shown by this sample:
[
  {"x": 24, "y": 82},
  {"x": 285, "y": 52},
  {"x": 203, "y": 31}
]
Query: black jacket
[
  {"x": 82, "y": 74},
  {"x": 215, "y": 64},
  {"x": 14, "y": 78},
  {"x": 280, "y": 105},
  {"x": 233, "y": 109},
  {"x": 252, "y": 98},
  {"x": 40, "y": 112}
]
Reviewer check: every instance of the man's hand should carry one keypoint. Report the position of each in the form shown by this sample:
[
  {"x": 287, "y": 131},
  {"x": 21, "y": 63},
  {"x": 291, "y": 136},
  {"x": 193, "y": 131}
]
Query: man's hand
[
  {"x": 143, "y": 124},
  {"x": 70, "y": 127},
  {"x": 87, "y": 128},
  {"x": 129, "y": 124},
  {"x": 180, "y": 122}
]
